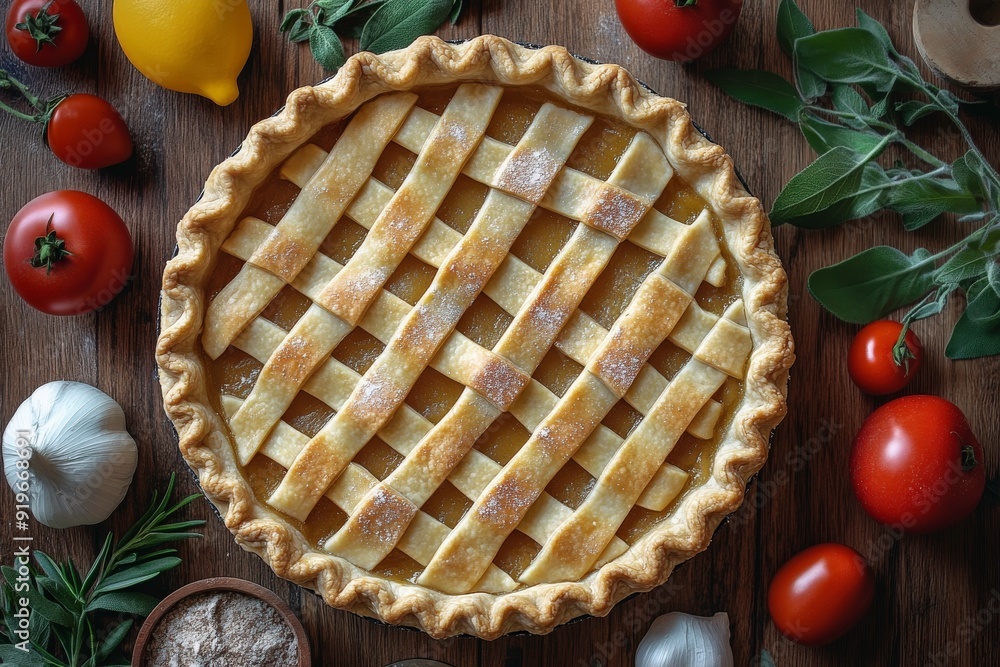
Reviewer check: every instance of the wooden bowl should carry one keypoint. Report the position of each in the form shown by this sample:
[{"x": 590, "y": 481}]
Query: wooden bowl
[{"x": 215, "y": 584}]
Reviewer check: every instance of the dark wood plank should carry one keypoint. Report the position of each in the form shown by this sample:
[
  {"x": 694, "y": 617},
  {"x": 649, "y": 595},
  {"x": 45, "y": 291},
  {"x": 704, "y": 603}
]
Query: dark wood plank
[{"x": 930, "y": 588}]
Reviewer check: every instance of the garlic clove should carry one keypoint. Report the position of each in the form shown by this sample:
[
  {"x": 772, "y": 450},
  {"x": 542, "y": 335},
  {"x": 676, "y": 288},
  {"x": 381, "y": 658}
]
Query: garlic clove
[
  {"x": 67, "y": 450},
  {"x": 682, "y": 640}
]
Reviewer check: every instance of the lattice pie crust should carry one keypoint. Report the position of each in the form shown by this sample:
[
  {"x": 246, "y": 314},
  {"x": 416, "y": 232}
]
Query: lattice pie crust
[{"x": 580, "y": 564}]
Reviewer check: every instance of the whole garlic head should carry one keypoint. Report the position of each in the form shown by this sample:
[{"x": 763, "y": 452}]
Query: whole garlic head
[
  {"x": 67, "y": 453},
  {"x": 682, "y": 640}
]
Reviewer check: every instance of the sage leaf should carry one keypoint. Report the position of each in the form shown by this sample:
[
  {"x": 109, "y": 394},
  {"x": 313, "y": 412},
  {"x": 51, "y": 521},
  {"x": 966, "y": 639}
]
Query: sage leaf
[
  {"x": 849, "y": 55},
  {"x": 122, "y": 602},
  {"x": 332, "y": 11},
  {"x": 326, "y": 47},
  {"x": 873, "y": 283},
  {"x": 971, "y": 339},
  {"x": 993, "y": 275},
  {"x": 49, "y": 610},
  {"x": 456, "y": 11},
  {"x": 291, "y": 18},
  {"x": 932, "y": 304},
  {"x": 792, "y": 23},
  {"x": 970, "y": 173},
  {"x": 353, "y": 22},
  {"x": 923, "y": 198},
  {"x": 9, "y": 655},
  {"x": 966, "y": 263},
  {"x": 860, "y": 204},
  {"x": 834, "y": 176},
  {"x": 398, "y": 22},
  {"x": 983, "y": 303},
  {"x": 759, "y": 88},
  {"x": 847, "y": 98},
  {"x": 911, "y": 111},
  {"x": 869, "y": 24},
  {"x": 824, "y": 136}
]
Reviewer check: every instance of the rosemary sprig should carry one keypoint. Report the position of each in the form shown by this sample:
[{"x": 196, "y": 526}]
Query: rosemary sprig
[{"x": 71, "y": 616}]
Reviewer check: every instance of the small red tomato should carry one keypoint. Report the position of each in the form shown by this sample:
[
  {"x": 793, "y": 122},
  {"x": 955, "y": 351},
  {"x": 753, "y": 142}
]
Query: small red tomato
[
  {"x": 873, "y": 365},
  {"x": 680, "y": 30},
  {"x": 917, "y": 465},
  {"x": 47, "y": 33},
  {"x": 86, "y": 131},
  {"x": 67, "y": 253},
  {"x": 820, "y": 594}
]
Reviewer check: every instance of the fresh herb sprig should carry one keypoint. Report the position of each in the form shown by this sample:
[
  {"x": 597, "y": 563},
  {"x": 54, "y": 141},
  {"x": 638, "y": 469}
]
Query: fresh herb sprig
[
  {"x": 380, "y": 25},
  {"x": 68, "y": 611},
  {"x": 853, "y": 97}
]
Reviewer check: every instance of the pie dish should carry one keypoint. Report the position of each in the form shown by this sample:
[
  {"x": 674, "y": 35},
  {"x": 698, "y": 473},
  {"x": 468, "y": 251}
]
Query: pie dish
[{"x": 475, "y": 338}]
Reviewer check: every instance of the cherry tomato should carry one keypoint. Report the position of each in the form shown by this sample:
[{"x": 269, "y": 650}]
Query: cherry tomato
[
  {"x": 871, "y": 363},
  {"x": 917, "y": 465},
  {"x": 820, "y": 594},
  {"x": 67, "y": 253},
  {"x": 680, "y": 30},
  {"x": 47, "y": 33},
  {"x": 86, "y": 131}
]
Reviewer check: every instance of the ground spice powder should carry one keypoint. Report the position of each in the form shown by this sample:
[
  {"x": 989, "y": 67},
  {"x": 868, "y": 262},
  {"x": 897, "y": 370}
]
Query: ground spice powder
[{"x": 222, "y": 629}]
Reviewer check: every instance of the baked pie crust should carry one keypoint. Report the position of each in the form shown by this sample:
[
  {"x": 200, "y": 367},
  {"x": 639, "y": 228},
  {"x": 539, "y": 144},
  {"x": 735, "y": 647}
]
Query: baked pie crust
[{"x": 578, "y": 562}]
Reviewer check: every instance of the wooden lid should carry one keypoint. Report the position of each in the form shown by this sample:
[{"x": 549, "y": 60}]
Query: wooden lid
[
  {"x": 217, "y": 584},
  {"x": 960, "y": 40}
]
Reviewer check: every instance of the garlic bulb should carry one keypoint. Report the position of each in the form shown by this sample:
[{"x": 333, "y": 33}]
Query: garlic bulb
[
  {"x": 66, "y": 453},
  {"x": 682, "y": 640}
]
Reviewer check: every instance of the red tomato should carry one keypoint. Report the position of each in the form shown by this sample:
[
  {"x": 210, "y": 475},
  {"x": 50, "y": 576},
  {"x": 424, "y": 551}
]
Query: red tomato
[
  {"x": 917, "y": 465},
  {"x": 871, "y": 363},
  {"x": 67, "y": 253},
  {"x": 86, "y": 131},
  {"x": 820, "y": 594},
  {"x": 681, "y": 30},
  {"x": 47, "y": 33}
]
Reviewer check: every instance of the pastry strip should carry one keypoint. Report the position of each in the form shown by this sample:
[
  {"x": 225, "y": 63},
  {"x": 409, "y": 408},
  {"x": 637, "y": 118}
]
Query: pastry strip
[
  {"x": 310, "y": 218},
  {"x": 342, "y": 302},
  {"x": 457, "y": 283},
  {"x": 573, "y": 548}
]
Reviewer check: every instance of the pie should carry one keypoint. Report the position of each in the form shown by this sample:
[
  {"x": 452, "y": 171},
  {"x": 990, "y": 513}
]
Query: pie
[{"x": 475, "y": 338}]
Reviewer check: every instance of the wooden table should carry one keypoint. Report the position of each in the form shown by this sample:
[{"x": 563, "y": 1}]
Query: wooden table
[{"x": 934, "y": 593}]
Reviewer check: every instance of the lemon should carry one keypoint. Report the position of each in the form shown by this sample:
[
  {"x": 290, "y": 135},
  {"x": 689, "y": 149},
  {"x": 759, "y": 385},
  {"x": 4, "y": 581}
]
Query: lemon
[{"x": 191, "y": 46}]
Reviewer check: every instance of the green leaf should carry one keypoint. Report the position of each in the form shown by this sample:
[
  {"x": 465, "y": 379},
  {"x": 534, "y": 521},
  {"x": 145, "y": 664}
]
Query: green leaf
[
  {"x": 299, "y": 31},
  {"x": 766, "y": 660},
  {"x": 966, "y": 263},
  {"x": 983, "y": 303},
  {"x": 970, "y": 173},
  {"x": 456, "y": 11},
  {"x": 331, "y": 11},
  {"x": 792, "y": 24},
  {"x": 13, "y": 656},
  {"x": 113, "y": 640},
  {"x": 326, "y": 47},
  {"x": 123, "y": 602},
  {"x": 824, "y": 136},
  {"x": 846, "y": 98},
  {"x": 353, "y": 22},
  {"x": 398, "y": 22},
  {"x": 993, "y": 275},
  {"x": 834, "y": 176},
  {"x": 869, "y": 24},
  {"x": 59, "y": 592},
  {"x": 48, "y": 609},
  {"x": 850, "y": 56},
  {"x": 291, "y": 18},
  {"x": 137, "y": 574},
  {"x": 923, "y": 198},
  {"x": 862, "y": 203},
  {"x": 98, "y": 564},
  {"x": 759, "y": 88},
  {"x": 971, "y": 339},
  {"x": 911, "y": 111},
  {"x": 873, "y": 283}
]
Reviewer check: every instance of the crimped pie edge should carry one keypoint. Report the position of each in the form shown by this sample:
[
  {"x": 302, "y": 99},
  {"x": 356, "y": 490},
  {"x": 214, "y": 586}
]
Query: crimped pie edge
[{"x": 606, "y": 89}]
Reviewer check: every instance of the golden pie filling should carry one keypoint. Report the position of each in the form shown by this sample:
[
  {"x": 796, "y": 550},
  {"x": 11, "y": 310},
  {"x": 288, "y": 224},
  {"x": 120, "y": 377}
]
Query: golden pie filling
[{"x": 475, "y": 338}]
